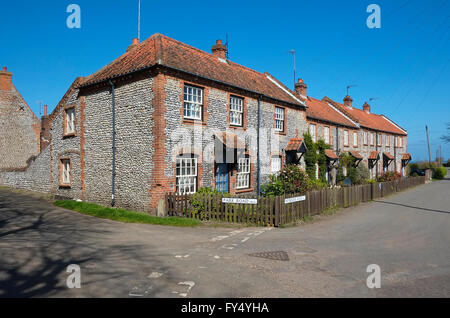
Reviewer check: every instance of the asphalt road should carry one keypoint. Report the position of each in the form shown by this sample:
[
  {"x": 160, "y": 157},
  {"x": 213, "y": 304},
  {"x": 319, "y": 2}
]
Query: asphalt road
[{"x": 407, "y": 235}]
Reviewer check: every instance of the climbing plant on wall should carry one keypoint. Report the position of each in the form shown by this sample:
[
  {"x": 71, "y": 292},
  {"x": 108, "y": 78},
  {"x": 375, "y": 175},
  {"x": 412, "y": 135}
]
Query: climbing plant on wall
[
  {"x": 321, "y": 146},
  {"x": 310, "y": 156}
]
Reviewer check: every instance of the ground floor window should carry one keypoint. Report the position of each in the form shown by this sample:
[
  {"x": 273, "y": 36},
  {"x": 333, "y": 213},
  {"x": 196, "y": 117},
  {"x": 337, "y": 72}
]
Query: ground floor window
[
  {"x": 243, "y": 175},
  {"x": 66, "y": 172},
  {"x": 276, "y": 164},
  {"x": 186, "y": 175}
]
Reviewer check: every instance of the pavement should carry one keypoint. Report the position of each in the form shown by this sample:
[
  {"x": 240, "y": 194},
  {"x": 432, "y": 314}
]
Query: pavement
[{"x": 407, "y": 235}]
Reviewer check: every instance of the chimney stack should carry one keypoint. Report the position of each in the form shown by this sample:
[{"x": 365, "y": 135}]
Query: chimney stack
[
  {"x": 348, "y": 101},
  {"x": 5, "y": 80},
  {"x": 220, "y": 50},
  {"x": 45, "y": 110},
  {"x": 134, "y": 44},
  {"x": 301, "y": 88},
  {"x": 366, "y": 107}
]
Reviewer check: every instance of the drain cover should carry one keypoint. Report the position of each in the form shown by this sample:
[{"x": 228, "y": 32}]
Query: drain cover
[{"x": 277, "y": 255}]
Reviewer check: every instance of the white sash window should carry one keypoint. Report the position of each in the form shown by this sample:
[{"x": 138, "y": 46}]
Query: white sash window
[
  {"x": 193, "y": 102},
  {"x": 236, "y": 111},
  {"x": 243, "y": 175},
  {"x": 186, "y": 175}
]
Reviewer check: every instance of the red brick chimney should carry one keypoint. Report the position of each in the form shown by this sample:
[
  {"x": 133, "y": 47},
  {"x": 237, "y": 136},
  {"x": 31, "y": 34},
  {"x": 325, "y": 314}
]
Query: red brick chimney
[
  {"x": 134, "y": 44},
  {"x": 366, "y": 107},
  {"x": 301, "y": 88},
  {"x": 220, "y": 50},
  {"x": 348, "y": 101},
  {"x": 45, "y": 130},
  {"x": 5, "y": 80}
]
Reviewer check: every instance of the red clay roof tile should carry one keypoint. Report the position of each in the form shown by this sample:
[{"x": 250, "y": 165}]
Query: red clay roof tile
[
  {"x": 321, "y": 110},
  {"x": 294, "y": 144},
  {"x": 162, "y": 50},
  {"x": 331, "y": 154}
]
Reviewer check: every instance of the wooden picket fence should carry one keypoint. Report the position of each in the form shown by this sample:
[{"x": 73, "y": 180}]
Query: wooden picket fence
[{"x": 275, "y": 211}]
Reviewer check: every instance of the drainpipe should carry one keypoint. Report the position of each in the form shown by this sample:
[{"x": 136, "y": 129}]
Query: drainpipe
[
  {"x": 395, "y": 157},
  {"x": 376, "y": 148},
  {"x": 113, "y": 181},
  {"x": 258, "y": 169}
]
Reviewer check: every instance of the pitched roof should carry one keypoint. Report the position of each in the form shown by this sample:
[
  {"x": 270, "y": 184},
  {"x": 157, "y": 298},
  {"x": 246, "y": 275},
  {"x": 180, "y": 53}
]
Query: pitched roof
[
  {"x": 388, "y": 155},
  {"x": 374, "y": 155},
  {"x": 295, "y": 144},
  {"x": 369, "y": 120},
  {"x": 356, "y": 154},
  {"x": 321, "y": 110},
  {"x": 406, "y": 156},
  {"x": 331, "y": 154},
  {"x": 165, "y": 51}
]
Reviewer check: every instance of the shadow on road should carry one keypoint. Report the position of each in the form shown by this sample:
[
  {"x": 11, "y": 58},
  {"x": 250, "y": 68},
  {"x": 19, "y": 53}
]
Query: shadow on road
[
  {"x": 38, "y": 242},
  {"x": 412, "y": 207}
]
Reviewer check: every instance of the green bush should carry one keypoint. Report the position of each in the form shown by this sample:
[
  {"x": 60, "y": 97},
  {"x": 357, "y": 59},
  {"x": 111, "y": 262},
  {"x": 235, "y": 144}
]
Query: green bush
[
  {"x": 310, "y": 156},
  {"x": 315, "y": 184},
  {"x": 292, "y": 179},
  {"x": 390, "y": 176},
  {"x": 439, "y": 173},
  {"x": 197, "y": 200}
]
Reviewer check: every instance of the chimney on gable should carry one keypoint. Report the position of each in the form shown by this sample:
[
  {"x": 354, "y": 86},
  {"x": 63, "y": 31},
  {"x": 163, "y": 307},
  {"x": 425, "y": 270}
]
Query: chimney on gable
[
  {"x": 348, "y": 101},
  {"x": 301, "y": 88},
  {"x": 45, "y": 130},
  {"x": 134, "y": 44},
  {"x": 5, "y": 80},
  {"x": 366, "y": 107},
  {"x": 220, "y": 50}
]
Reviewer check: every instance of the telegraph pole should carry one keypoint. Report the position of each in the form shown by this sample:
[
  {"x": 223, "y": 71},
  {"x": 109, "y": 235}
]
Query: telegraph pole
[{"x": 429, "y": 149}]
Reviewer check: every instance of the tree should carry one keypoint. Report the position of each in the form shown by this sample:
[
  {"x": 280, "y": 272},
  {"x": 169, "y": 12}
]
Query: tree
[
  {"x": 446, "y": 138},
  {"x": 310, "y": 156}
]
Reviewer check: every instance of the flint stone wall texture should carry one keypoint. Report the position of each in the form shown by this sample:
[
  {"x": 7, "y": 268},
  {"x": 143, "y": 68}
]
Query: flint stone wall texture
[
  {"x": 19, "y": 130},
  {"x": 180, "y": 134},
  {"x": 35, "y": 178},
  {"x": 134, "y": 142}
]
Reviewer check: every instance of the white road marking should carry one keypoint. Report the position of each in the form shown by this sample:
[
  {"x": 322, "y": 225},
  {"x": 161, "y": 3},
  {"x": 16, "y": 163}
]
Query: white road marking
[{"x": 245, "y": 240}]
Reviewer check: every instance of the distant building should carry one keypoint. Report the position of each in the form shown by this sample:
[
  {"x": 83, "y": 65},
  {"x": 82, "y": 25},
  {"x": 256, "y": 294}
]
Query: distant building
[{"x": 20, "y": 129}]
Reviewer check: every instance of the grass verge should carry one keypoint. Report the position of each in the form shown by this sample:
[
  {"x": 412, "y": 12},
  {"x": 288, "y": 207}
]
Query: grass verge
[{"x": 123, "y": 215}]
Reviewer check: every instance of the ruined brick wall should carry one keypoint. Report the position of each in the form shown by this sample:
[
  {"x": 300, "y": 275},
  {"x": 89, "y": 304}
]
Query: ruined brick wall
[{"x": 19, "y": 130}]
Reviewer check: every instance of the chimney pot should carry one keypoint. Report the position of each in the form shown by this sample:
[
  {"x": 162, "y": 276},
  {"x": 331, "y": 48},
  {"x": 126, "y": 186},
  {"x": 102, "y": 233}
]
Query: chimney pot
[
  {"x": 5, "y": 80},
  {"x": 220, "y": 50},
  {"x": 301, "y": 88},
  {"x": 45, "y": 110},
  {"x": 366, "y": 107},
  {"x": 348, "y": 101},
  {"x": 133, "y": 44}
]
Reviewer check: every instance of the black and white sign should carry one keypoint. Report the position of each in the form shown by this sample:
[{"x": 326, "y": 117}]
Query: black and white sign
[
  {"x": 295, "y": 199},
  {"x": 240, "y": 201}
]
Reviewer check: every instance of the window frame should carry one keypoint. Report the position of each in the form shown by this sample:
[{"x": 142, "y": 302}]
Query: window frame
[
  {"x": 239, "y": 112},
  {"x": 327, "y": 140},
  {"x": 355, "y": 139},
  {"x": 313, "y": 136},
  {"x": 63, "y": 164},
  {"x": 278, "y": 158},
  {"x": 283, "y": 120},
  {"x": 67, "y": 118},
  {"x": 365, "y": 138},
  {"x": 191, "y": 103},
  {"x": 346, "y": 139},
  {"x": 179, "y": 168},
  {"x": 246, "y": 174}
]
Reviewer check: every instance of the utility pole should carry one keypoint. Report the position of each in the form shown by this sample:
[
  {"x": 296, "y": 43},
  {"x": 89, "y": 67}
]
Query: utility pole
[
  {"x": 429, "y": 149},
  {"x": 293, "y": 54},
  {"x": 139, "y": 22}
]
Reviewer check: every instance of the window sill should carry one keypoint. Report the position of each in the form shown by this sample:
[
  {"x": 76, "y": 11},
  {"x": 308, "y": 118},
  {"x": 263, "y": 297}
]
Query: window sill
[
  {"x": 65, "y": 186},
  {"x": 283, "y": 133},
  {"x": 238, "y": 191},
  {"x": 237, "y": 127},
  {"x": 71, "y": 135},
  {"x": 194, "y": 122}
]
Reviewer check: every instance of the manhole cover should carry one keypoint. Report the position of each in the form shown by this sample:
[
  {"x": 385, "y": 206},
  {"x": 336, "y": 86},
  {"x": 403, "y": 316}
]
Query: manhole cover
[{"x": 277, "y": 255}]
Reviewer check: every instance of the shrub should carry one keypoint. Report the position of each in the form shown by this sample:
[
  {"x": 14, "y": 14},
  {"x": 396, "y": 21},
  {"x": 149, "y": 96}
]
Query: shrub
[
  {"x": 390, "y": 176},
  {"x": 439, "y": 173},
  {"x": 292, "y": 179},
  {"x": 315, "y": 184},
  {"x": 197, "y": 199},
  {"x": 361, "y": 174},
  {"x": 310, "y": 156}
]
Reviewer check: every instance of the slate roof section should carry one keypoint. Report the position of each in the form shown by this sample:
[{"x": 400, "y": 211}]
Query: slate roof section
[{"x": 162, "y": 50}]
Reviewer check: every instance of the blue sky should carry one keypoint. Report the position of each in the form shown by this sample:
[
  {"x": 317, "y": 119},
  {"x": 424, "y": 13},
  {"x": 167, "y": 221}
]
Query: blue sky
[{"x": 404, "y": 65}]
